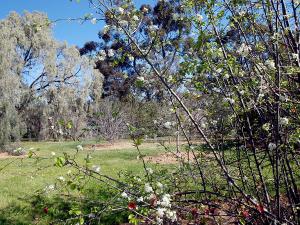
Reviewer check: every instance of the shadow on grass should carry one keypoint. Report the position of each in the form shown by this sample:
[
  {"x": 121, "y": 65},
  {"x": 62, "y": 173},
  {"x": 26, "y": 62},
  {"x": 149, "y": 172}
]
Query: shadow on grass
[{"x": 57, "y": 210}]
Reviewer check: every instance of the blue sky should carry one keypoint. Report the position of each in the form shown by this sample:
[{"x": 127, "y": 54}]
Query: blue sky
[{"x": 72, "y": 32}]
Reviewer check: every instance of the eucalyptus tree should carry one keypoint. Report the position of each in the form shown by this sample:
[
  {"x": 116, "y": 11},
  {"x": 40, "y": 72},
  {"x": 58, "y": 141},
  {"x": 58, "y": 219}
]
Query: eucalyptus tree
[{"x": 36, "y": 69}]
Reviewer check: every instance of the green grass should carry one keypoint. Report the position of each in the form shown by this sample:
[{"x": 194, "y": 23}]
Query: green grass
[{"x": 23, "y": 177}]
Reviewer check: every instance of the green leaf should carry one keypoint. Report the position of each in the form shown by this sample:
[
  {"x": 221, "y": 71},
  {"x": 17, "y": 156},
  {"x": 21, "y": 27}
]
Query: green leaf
[
  {"x": 30, "y": 154},
  {"x": 60, "y": 161}
]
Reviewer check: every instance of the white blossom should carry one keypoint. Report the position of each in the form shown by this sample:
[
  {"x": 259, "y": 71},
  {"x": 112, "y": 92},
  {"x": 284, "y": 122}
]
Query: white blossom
[
  {"x": 159, "y": 220},
  {"x": 106, "y": 29},
  {"x": 160, "y": 212},
  {"x": 94, "y": 21},
  {"x": 53, "y": 153},
  {"x": 271, "y": 146},
  {"x": 226, "y": 75},
  {"x": 244, "y": 50},
  {"x": 79, "y": 147},
  {"x": 283, "y": 121},
  {"x": 123, "y": 23},
  {"x": 50, "y": 187},
  {"x": 121, "y": 10},
  {"x": 270, "y": 64},
  {"x": 124, "y": 195},
  {"x": 96, "y": 168},
  {"x": 140, "y": 199},
  {"x": 295, "y": 56},
  {"x": 148, "y": 188},
  {"x": 145, "y": 9},
  {"x": 166, "y": 200},
  {"x": 171, "y": 215},
  {"x": 131, "y": 58},
  {"x": 199, "y": 18},
  {"x": 153, "y": 28},
  {"x": 110, "y": 52},
  {"x": 61, "y": 178},
  {"x": 135, "y": 18},
  {"x": 168, "y": 125},
  {"x": 149, "y": 170},
  {"x": 140, "y": 78},
  {"x": 266, "y": 127},
  {"x": 159, "y": 185},
  {"x": 230, "y": 100},
  {"x": 101, "y": 55}
]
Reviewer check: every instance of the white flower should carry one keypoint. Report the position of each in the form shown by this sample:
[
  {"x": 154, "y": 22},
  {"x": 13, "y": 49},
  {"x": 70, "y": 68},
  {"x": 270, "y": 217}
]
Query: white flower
[
  {"x": 271, "y": 146},
  {"x": 219, "y": 70},
  {"x": 110, "y": 53},
  {"x": 61, "y": 178},
  {"x": 283, "y": 121},
  {"x": 123, "y": 23},
  {"x": 121, "y": 10},
  {"x": 148, "y": 188},
  {"x": 295, "y": 56},
  {"x": 153, "y": 28},
  {"x": 271, "y": 64},
  {"x": 53, "y": 153},
  {"x": 159, "y": 220},
  {"x": 266, "y": 127},
  {"x": 168, "y": 125},
  {"x": 91, "y": 215},
  {"x": 124, "y": 195},
  {"x": 149, "y": 170},
  {"x": 96, "y": 168},
  {"x": 160, "y": 212},
  {"x": 140, "y": 78},
  {"x": 50, "y": 187},
  {"x": 171, "y": 215},
  {"x": 101, "y": 55},
  {"x": 215, "y": 89},
  {"x": 159, "y": 185},
  {"x": 166, "y": 200},
  {"x": 140, "y": 199},
  {"x": 243, "y": 50},
  {"x": 94, "y": 21},
  {"x": 199, "y": 18},
  {"x": 145, "y": 9},
  {"x": 226, "y": 75},
  {"x": 101, "y": 58},
  {"x": 242, "y": 13},
  {"x": 135, "y": 18},
  {"x": 230, "y": 100},
  {"x": 242, "y": 92},
  {"x": 131, "y": 58},
  {"x": 79, "y": 147},
  {"x": 105, "y": 29}
]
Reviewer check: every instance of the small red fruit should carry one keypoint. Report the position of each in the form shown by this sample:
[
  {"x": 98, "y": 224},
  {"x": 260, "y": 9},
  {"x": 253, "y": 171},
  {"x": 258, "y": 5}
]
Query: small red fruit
[
  {"x": 194, "y": 212},
  {"x": 245, "y": 214},
  {"x": 260, "y": 208},
  {"x": 131, "y": 205},
  {"x": 46, "y": 210}
]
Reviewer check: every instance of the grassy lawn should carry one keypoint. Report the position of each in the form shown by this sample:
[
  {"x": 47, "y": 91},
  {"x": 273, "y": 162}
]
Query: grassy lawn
[{"x": 24, "y": 176}]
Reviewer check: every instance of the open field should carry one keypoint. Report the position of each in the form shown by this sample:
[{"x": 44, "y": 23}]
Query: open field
[{"x": 21, "y": 177}]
